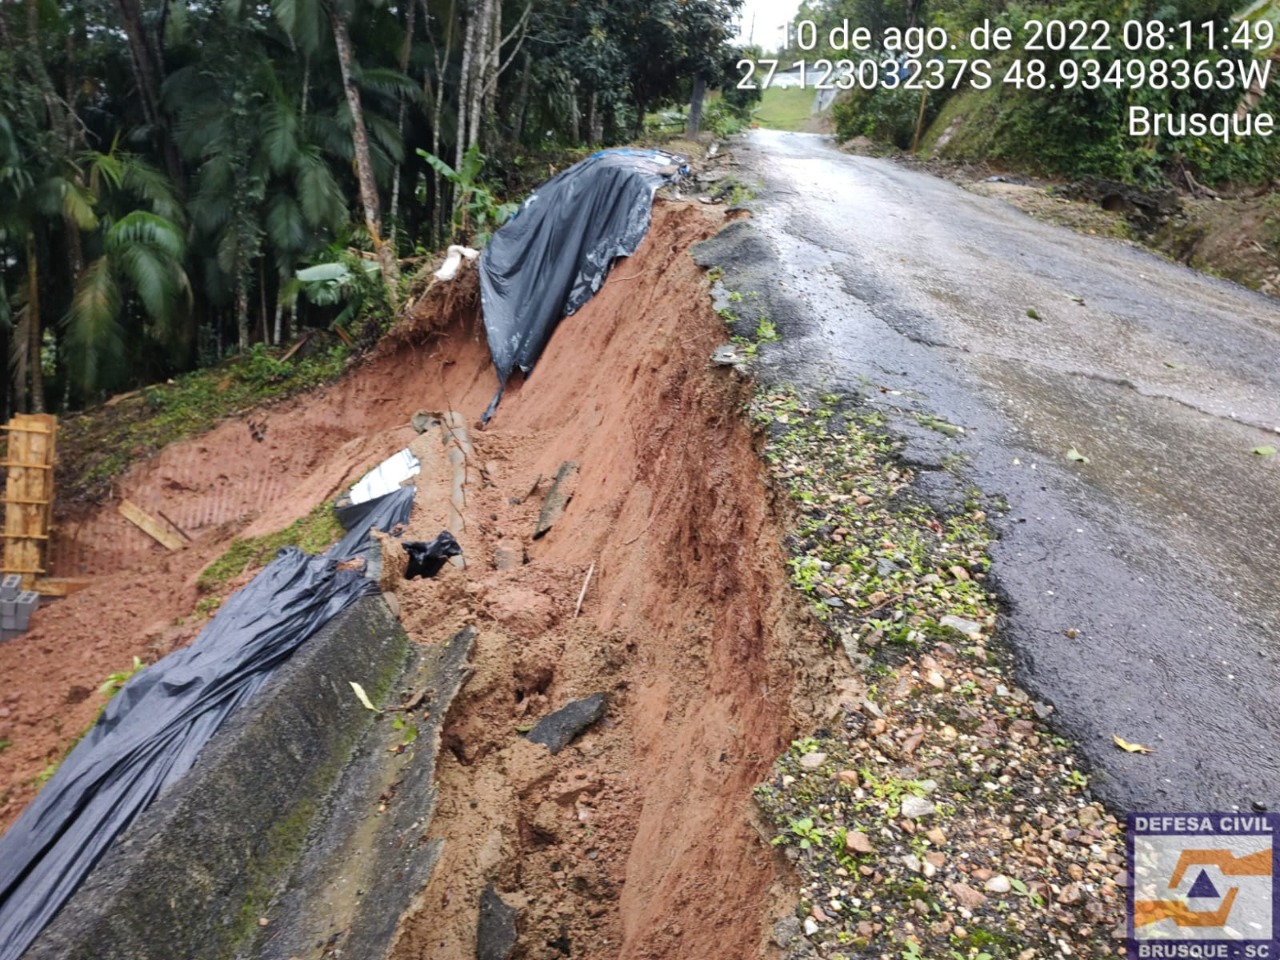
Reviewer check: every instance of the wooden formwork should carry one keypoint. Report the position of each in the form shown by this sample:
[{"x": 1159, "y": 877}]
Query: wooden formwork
[{"x": 28, "y": 495}]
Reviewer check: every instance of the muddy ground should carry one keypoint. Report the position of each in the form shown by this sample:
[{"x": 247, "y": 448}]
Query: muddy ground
[{"x": 640, "y": 839}]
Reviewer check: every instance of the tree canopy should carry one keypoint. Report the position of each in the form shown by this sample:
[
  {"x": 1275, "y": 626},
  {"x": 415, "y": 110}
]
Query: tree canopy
[{"x": 167, "y": 167}]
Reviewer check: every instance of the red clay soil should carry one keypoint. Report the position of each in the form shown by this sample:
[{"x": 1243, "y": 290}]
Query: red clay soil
[{"x": 637, "y": 841}]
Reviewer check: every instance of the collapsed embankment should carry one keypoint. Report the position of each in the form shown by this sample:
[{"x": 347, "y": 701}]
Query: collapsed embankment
[{"x": 637, "y": 840}]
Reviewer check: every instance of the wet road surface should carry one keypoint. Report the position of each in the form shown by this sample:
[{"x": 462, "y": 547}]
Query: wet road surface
[{"x": 1163, "y": 551}]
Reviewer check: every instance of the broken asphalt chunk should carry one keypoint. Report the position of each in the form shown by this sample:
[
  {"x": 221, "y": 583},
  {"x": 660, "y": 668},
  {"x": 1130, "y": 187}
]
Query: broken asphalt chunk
[{"x": 557, "y": 730}]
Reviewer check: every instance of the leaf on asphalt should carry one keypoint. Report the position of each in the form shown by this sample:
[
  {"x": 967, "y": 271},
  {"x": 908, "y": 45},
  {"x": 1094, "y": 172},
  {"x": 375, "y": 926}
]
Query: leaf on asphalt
[
  {"x": 1265, "y": 451},
  {"x": 362, "y": 696},
  {"x": 1033, "y": 314},
  {"x": 1128, "y": 747},
  {"x": 1075, "y": 456},
  {"x": 1175, "y": 366}
]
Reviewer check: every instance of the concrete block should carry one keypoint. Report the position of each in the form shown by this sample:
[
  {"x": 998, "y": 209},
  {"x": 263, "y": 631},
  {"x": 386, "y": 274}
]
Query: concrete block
[
  {"x": 24, "y": 606},
  {"x": 10, "y": 586}
]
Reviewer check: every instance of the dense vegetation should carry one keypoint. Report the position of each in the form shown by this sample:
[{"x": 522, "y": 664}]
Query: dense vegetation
[
  {"x": 1077, "y": 131},
  {"x": 182, "y": 179}
]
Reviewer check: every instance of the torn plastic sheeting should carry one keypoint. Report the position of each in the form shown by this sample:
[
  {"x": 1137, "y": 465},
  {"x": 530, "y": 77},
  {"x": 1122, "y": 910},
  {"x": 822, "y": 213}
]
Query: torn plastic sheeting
[
  {"x": 152, "y": 731},
  {"x": 555, "y": 254},
  {"x": 449, "y": 269},
  {"x": 386, "y": 477},
  {"x": 426, "y": 558}
]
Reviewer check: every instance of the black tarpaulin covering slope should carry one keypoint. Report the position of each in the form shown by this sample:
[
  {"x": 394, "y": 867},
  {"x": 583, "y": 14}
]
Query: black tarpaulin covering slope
[
  {"x": 555, "y": 254},
  {"x": 152, "y": 731}
]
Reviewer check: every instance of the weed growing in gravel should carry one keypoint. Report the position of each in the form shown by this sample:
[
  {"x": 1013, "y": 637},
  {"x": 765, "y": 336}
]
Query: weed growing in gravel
[
  {"x": 937, "y": 818},
  {"x": 864, "y": 554}
]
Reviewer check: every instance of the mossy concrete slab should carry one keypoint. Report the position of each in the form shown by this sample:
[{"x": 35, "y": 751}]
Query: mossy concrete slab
[{"x": 201, "y": 868}]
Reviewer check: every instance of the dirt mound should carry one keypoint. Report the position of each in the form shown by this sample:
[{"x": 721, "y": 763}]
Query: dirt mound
[{"x": 637, "y": 840}]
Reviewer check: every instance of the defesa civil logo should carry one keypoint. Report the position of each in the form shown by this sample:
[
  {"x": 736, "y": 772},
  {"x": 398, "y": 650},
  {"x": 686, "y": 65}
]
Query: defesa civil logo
[{"x": 1203, "y": 886}]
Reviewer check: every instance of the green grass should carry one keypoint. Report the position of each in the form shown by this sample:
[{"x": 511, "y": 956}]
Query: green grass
[
  {"x": 315, "y": 532},
  {"x": 785, "y": 108},
  {"x": 99, "y": 444}
]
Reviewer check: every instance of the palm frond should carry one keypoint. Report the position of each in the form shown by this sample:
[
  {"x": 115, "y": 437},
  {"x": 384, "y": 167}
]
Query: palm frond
[
  {"x": 385, "y": 134},
  {"x": 280, "y": 136},
  {"x": 148, "y": 184},
  {"x": 95, "y": 339},
  {"x": 140, "y": 228},
  {"x": 153, "y": 278},
  {"x": 390, "y": 82},
  {"x": 323, "y": 203},
  {"x": 303, "y": 20},
  {"x": 286, "y": 225},
  {"x": 78, "y": 203}
]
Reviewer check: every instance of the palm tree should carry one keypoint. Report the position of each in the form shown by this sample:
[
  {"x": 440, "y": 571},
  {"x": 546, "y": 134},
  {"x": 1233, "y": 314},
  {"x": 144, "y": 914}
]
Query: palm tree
[
  {"x": 260, "y": 186},
  {"x": 141, "y": 260}
]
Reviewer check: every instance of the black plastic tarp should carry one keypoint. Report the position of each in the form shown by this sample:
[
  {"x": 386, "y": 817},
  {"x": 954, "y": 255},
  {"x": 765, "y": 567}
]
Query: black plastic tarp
[
  {"x": 555, "y": 254},
  {"x": 152, "y": 731}
]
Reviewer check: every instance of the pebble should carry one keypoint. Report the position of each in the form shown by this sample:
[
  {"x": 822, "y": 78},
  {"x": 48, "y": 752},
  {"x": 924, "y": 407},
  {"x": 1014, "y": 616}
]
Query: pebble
[
  {"x": 850, "y": 777},
  {"x": 812, "y": 761},
  {"x": 968, "y": 627},
  {"x": 856, "y": 841},
  {"x": 916, "y": 807},
  {"x": 785, "y": 930},
  {"x": 967, "y": 897},
  {"x": 810, "y": 926},
  {"x": 1070, "y": 894},
  {"x": 999, "y": 884},
  {"x": 936, "y": 836}
]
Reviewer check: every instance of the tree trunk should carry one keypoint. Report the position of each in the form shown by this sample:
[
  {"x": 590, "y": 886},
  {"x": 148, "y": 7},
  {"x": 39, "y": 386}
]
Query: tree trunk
[
  {"x": 242, "y": 317},
  {"x": 439, "y": 210},
  {"x": 148, "y": 71},
  {"x": 522, "y": 100},
  {"x": 493, "y": 68},
  {"x": 464, "y": 91},
  {"x": 364, "y": 163},
  {"x": 479, "y": 64},
  {"x": 35, "y": 334},
  {"x": 694, "y": 126},
  {"x": 409, "y": 13}
]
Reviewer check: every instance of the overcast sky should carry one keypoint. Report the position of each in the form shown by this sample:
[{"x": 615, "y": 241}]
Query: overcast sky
[{"x": 768, "y": 16}]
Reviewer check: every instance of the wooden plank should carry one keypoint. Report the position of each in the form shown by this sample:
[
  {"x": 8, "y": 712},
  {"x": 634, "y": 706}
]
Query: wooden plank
[
  {"x": 61, "y": 586},
  {"x": 149, "y": 525},
  {"x": 28, "y": 494}
]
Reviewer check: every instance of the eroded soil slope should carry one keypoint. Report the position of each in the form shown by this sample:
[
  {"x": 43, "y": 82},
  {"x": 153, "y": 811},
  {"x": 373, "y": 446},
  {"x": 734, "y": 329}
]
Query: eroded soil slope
[{"x": 638, "y": 839}]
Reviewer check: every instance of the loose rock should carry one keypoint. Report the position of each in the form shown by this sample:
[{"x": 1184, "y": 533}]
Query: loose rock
[
  {"x": 557, "y": 730},
  {"x": 496, "y": 931},
  {"x": 916, "y": 807}
]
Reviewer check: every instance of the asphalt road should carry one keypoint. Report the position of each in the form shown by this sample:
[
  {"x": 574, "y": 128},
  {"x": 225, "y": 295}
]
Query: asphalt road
[{"x": 1163, "y": 551}]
